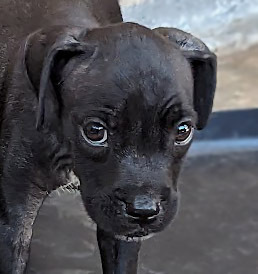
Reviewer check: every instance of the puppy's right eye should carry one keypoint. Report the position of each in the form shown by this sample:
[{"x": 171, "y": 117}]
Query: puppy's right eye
[
  {"x": 95, "y": 133},
  {"x": 184, "y": 133}
]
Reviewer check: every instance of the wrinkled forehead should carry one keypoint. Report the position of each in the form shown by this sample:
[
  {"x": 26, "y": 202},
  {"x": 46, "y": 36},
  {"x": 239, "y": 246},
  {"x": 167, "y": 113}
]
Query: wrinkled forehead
[{"x": 131, "y": 66}]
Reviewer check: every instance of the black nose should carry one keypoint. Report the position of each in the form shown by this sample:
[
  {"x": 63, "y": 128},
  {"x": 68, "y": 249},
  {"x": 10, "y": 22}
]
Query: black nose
[{"x": 143, "y": 207}]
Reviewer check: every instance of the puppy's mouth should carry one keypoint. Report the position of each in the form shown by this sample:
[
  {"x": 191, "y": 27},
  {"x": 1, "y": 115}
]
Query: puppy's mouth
[
  {"x": 142, "y": 222},
  {"x": 136, "y": 237},
  {"x": 129, "y": 222},
  {"x": 140, "y": 229}
]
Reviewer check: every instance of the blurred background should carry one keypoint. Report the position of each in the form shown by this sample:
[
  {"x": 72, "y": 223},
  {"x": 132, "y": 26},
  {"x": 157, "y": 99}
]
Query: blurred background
[{"x": 216, "y": 230}]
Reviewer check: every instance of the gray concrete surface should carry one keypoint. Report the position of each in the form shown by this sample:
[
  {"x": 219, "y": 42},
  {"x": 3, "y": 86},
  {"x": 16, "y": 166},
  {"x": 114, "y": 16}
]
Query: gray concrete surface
[{"x": 216, "y": 231}]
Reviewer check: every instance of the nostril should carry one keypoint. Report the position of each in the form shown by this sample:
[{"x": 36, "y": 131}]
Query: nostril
[{"x": 143, "y": 208}]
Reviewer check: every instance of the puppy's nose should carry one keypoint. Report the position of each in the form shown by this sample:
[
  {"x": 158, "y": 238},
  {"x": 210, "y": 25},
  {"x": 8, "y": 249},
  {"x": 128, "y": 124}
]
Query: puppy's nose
[{"x": 143, "y": 207}]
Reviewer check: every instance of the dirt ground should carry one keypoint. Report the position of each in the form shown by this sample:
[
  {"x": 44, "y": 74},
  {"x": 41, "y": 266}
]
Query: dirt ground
[{"x": 237, "y": 80}]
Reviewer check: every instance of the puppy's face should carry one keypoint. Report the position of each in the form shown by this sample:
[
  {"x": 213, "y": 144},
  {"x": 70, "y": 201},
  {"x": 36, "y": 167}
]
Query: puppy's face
[
  {"x": 129, "y": 113},
  {"x": 129, "y": 99}
]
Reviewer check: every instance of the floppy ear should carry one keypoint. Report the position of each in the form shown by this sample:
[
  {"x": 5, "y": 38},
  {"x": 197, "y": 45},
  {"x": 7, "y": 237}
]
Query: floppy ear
[
  {"x": 204, "y": 69},
  {"x": 46, "y": 54}
]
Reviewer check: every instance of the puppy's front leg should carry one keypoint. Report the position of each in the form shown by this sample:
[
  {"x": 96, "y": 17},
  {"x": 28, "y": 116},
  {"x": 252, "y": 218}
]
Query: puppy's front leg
[
  {"x": 24, "y": 232},
  {"x": 16, "y": 228},
  {"x": 118, "y": 257}
]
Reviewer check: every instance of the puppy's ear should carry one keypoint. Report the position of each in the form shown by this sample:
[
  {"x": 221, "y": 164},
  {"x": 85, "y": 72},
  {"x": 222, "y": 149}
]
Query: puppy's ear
[
  {"x": 204, "y": 69},
  {"x": 46, "y": 54}
]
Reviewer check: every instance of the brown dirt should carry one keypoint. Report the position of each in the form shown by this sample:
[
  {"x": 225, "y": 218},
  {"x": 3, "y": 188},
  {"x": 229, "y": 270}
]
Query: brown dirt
[{"x": 238, "y": 80}]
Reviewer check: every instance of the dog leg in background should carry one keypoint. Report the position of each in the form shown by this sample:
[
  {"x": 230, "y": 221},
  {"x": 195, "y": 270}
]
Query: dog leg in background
[{"x": 117, "y": 256}]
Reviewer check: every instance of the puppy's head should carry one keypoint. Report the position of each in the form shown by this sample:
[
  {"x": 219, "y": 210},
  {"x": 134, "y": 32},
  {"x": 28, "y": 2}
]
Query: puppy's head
[{"x": 128, "y": 100}]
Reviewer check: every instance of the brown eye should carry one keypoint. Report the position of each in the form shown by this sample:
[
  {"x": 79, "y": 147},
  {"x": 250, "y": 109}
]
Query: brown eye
[
  {"x": 95, "y": 134},
  {"x": 184, "y": 133}
]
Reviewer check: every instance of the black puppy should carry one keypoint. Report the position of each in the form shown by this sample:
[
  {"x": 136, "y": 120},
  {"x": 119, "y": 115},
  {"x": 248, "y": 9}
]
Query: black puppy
[{"x": 86, "y": 98}]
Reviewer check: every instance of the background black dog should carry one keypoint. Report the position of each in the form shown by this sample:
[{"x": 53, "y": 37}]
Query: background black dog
[{"x": 85, "y": 97}]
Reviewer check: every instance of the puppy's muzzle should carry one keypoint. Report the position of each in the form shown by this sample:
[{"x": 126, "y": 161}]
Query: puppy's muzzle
[{"x": 142, "y": 208}]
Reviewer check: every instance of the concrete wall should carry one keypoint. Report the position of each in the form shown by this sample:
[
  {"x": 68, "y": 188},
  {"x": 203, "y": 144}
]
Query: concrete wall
[{"x": 220, "y": 23}]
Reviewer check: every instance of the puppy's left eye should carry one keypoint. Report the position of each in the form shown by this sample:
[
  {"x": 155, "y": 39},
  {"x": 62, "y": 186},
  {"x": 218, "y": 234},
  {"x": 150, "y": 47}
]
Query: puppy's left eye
[
  {"x": 95, "y": 133},
  {"x": 184, "y": 134}
]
